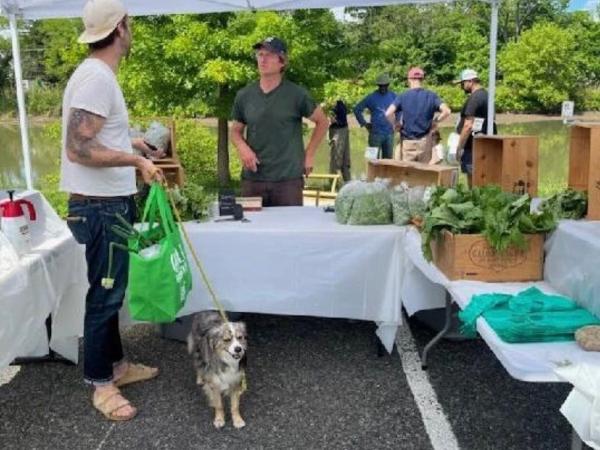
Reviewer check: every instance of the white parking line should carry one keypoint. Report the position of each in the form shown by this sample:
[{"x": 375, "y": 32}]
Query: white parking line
[
  {"x": 436, "y": 423},
  {"x": 108, "y": 433}
]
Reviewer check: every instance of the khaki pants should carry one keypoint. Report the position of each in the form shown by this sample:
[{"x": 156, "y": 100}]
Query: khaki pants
[{"x": 416, "y": 150}]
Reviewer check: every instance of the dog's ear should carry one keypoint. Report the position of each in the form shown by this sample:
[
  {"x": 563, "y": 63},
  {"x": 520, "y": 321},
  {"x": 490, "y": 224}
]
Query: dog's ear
[
  {"x": 241, "y": 328},
  {"x": 213, "y": 337}
]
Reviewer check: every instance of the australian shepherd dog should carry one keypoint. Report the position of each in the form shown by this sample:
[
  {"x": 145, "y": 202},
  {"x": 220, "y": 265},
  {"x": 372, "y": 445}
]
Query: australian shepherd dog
[{"x": 218, "y": 350}]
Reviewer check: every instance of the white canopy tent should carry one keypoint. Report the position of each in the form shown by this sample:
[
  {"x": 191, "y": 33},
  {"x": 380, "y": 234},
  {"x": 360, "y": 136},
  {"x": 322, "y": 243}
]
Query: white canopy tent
[{"x": 47, "y": 9}]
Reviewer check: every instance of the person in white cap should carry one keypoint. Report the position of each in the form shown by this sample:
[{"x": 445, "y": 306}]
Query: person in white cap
[
  {"x": 473, "y": 119},
  {"x": 98, "y": 171}
]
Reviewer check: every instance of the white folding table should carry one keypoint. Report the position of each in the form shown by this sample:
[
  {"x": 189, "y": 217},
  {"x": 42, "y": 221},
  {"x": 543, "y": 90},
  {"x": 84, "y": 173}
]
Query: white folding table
[
  {"x": 300, "y": 261},
  {"x": 50, "y": 280},
  {"x": 425, "y": 287}
]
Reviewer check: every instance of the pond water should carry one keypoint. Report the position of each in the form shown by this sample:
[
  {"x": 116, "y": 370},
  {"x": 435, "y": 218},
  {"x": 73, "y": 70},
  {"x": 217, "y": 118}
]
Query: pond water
[{"x": 45, "y": 152}]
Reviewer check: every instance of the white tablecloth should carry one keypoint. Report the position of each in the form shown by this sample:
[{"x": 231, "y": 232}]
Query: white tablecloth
[
  {"x": 424, "y": 286},
  {"x": 300, "y": 261},
  {"x": 572, "y": 262},
  {"x": 51, "y": 279}
]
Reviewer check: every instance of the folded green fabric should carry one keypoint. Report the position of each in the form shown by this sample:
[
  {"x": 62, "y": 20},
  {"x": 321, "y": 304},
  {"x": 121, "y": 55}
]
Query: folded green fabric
[{"x": 529, "y": 316}]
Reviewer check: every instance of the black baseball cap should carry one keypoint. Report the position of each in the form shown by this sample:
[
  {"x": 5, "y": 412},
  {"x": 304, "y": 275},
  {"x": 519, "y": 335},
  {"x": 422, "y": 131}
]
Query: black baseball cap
[{"x": 272, "y": 44}]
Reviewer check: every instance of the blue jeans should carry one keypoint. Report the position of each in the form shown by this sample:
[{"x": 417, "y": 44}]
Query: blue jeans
[
  {"x": 385, "y": 142},
  {"x": 90, "y": 221}
]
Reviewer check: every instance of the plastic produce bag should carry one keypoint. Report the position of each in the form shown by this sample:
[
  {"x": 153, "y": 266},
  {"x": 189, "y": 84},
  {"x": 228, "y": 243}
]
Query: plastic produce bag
[
  {"x": 400, "y": 209},
  {"x": 372, "y": 204},
  {"x": 417, "y": 201},
  {"x": 345, "y": 199},
  {"x": 158, "y": 136}
]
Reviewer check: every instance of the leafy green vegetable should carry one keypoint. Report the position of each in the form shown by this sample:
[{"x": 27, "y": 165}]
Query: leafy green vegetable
[
  {"x": 192, "y": 201},
  {"x": 363, "y": 203},
  {"x": 568, "y": 204},
  {"x": 503, "y": 218}
]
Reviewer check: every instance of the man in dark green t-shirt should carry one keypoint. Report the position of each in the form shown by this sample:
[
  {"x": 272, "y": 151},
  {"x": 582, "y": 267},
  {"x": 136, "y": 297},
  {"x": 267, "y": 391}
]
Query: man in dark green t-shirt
[{"x": 270, "y": 111}]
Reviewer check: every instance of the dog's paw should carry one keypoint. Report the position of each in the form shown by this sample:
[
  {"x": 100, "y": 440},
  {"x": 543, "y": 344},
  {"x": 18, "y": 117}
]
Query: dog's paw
[
  {"x": 219, "y": 423},
  {"x": 238, "y": 423}
]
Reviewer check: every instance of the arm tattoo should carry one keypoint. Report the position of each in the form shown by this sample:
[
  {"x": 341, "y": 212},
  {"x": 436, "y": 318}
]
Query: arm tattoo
[{"x": 82, "y": 128}]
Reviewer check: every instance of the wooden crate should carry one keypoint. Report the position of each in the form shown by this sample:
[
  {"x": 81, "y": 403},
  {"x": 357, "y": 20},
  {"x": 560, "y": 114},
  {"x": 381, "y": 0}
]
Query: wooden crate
[
  {"x": 470, "y": 257},
  {"x": 510, "y": 162},
  {"x": 412, "y": 173},
  {"x": 584, "y": 164}
]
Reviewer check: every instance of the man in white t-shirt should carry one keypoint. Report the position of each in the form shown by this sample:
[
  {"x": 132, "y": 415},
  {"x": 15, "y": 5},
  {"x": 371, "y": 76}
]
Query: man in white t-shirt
[{"x": 98, "y": 171}]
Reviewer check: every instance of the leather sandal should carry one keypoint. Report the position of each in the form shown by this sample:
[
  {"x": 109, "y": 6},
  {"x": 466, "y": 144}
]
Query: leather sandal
[
  {"x": 109, "y": 401},
  {"x": 136, "y": 373}
]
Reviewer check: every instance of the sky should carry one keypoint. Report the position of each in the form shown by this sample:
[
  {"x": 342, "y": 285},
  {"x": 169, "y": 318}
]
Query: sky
[
  {"x": 583, "y": 4},
  {"x": 574, "y": 6}
]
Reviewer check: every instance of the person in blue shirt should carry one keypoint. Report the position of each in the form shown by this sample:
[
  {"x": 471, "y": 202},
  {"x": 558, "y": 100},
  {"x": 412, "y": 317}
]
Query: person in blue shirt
[
  {"x": 418, "y": 107},
  {"x": 381, "y": 132}
]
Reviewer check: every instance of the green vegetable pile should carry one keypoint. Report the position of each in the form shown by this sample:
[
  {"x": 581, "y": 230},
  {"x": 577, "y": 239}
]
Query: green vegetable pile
[
  {"x": 364, "y": 203},
  {"x": 503, "y": 218},
  {"x": 408, "y": 203},
  {"x": 567, "y": 204},
  {"x": 192, "y": 201}
]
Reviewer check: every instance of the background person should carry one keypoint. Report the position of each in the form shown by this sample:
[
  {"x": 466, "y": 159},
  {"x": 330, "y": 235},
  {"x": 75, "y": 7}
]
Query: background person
[
  {"x": 270, "y": 113},
  {"x": 381, "y": 132},
  {"x": 98, "y": 171},
  {"x": 473, "y": 119},
  {"x": 339, "y": 141},
  {"x": 418, "y": 107}
]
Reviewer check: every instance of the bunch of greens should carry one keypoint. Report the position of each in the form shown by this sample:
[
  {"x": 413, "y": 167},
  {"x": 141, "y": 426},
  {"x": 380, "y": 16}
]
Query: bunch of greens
[
  {"x": 192, "y": 201},
  {"x": 345, "y": 199},
  {"x": 400, "y": 207},
  {"x": 567, "y": 204},
  {"x": 503, "y": 218},
  {"x": 364, "y": 203},
  {"x": 408, "y": 203},
  {"x": 371, "y": 205}
]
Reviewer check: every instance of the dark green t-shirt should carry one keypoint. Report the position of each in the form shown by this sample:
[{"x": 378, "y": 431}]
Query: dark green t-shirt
[{"x": 274, "y": 129}]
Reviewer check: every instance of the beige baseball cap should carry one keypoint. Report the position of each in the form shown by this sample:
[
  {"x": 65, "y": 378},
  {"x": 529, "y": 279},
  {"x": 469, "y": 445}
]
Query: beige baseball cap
[{"x": 100, "y": 18}]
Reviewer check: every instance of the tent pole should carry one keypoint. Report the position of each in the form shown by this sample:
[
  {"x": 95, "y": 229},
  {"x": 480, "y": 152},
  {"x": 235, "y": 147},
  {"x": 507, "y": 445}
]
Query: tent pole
[
  {"x": 492, "y": 79},
  {"x": 20, "y": 98}
]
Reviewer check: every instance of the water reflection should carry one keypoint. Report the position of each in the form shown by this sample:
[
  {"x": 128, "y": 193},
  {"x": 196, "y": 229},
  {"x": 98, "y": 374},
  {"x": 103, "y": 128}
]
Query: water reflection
[{"x": 45, "y": 152}]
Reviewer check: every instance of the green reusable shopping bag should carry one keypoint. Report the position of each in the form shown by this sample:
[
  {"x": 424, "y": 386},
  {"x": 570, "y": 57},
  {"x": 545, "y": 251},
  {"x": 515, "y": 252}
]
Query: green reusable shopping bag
[
  {"x": 159, "y": 273},
  {"x": 529, "y": 316}
]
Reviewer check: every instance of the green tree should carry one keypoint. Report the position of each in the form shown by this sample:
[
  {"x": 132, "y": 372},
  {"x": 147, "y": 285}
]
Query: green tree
[
  {"x": 194, "y": 65},
  {"x": 6, "y": 79},
  {"x": 515, "y": 16},
  {"x": 50, "y": 49},
  {"x": 540, "y": 68}
]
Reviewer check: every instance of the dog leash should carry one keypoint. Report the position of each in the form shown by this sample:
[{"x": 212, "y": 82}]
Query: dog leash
[
  {"x": 205, "y": 279},
  {"x": 202, "y": 272}
]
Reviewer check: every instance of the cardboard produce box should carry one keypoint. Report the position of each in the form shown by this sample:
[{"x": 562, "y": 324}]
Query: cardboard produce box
[{"x": 470, "y": 257}]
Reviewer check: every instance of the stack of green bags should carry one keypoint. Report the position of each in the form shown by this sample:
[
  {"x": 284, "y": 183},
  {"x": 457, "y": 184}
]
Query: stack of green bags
[{"x": 529, "y": 316}]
